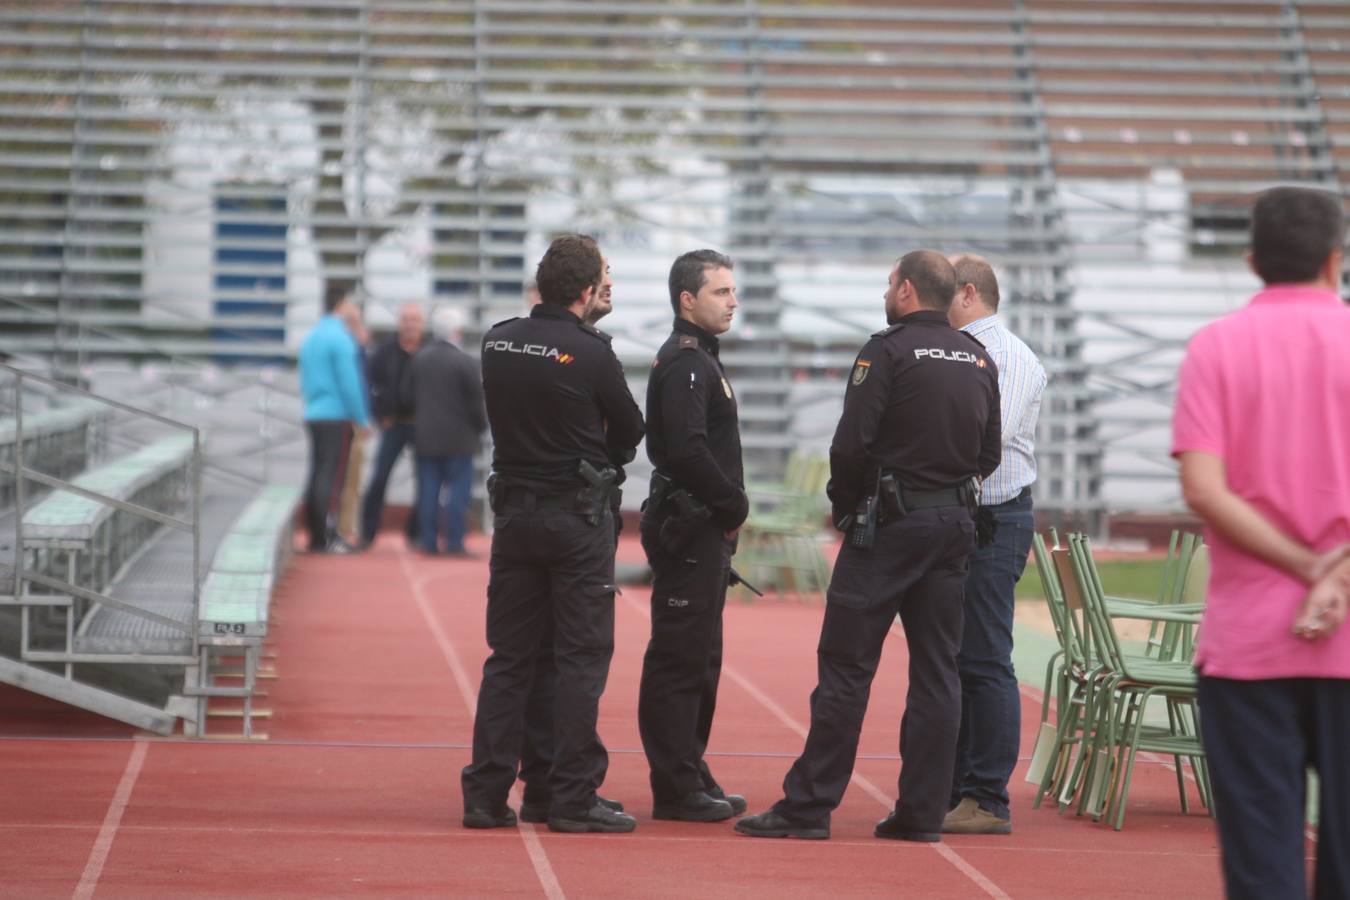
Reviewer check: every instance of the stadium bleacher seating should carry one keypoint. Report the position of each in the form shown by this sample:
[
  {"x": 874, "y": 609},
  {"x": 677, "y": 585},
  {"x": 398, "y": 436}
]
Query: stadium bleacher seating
[
  {"x": 111, "y": 605},
  {"x": 86, "y": 539},
  {"x": 236, "y": 596}
]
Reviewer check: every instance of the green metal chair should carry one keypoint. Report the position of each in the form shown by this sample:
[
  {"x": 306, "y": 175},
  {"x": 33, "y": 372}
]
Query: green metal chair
[
  {"x": 1076, "y": 673},
  {"x": 1129, "y": 682}
]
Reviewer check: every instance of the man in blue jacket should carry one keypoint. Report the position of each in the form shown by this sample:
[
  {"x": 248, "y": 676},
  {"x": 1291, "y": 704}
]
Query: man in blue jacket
[{"x": 335, "y": 406}]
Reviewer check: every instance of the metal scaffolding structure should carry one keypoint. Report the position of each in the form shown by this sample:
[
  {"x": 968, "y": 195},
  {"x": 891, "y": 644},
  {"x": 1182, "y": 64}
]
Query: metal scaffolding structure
[{"x": 178, "y": 177}]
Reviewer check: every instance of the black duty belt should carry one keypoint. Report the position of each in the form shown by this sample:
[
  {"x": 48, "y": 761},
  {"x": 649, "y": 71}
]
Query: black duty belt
[
  {"x": 931, "y": 499},
  {"x": 528, "y": 498}
]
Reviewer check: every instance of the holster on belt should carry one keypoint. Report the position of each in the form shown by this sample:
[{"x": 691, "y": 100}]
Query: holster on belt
[
  {"x": 593, "y": 500},
  {"x": 986, "y": 523},
  {"x": 681, "y": 515},
  {"x": 891, "y": 498}
]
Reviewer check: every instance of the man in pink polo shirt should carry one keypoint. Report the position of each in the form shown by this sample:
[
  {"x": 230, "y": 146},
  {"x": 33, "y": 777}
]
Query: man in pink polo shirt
[{"x": 1262, "y": 431}]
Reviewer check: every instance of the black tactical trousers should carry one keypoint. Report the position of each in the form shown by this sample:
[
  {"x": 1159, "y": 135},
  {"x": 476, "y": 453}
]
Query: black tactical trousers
[
  {"x": 550, "y": 569},
  {"x": 683, "y": 663},
  {"x": 536, "y": 754},
  {"x": 916, "y": 568}
]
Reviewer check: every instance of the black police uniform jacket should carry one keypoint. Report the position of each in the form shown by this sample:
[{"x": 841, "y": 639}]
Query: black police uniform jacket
[
  {"x": 555, "y": 395},
  {"x": 693, "y": 432},
  {"x": 922, "y": 401}
]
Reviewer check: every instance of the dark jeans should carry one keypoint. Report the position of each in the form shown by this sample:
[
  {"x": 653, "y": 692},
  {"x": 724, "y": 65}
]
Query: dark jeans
[
  {"x": 991, "y": 705},
  {"x": 550, "y": 571},
  {"x": 444, "y": 485},
  {"x": 329, "y": 443},
  {"x": 393, "y": 440},
  {"x": 683, "y": 663},
  {"x": 1260, "y": 737},
  {"x": 917, "y": 568}
]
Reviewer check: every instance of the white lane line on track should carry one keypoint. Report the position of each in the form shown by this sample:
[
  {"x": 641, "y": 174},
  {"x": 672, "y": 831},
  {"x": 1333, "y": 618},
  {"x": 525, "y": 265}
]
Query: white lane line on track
[
  {"x": 862, "y": 782},
  {"x": 98, "y": 855},
  {"x": 548, "y": 879}
]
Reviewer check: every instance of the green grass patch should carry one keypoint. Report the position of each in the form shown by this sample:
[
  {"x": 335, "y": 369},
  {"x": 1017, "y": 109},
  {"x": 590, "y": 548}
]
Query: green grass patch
[{"x": 1121, "y": 578}]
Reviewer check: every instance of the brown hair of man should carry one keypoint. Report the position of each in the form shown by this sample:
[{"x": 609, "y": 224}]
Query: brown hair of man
[
  {"x": 1294, "y": 231},
  {"x": 976, "y": 271},
  {"x": 571, "y": 264},
  {"x": 932, "y": 276}
]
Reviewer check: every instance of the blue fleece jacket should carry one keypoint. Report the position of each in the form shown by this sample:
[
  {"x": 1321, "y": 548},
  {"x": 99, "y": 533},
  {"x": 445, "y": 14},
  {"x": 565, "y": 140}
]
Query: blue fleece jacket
[{"x": 330, "y": 374}]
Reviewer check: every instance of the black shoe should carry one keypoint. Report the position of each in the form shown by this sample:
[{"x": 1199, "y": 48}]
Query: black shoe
[
  {"x": 891, "y": 829},
  {"x": 598, "y": 818},
  {"x": 536, "y": 812},
  {"x": 483, "y": 817},
  {"x": 339, "y": 547},
  {"x": 695, "y": 806},
  {"x": 738, "y": 804},
  {"x": 771, "y": 824}
]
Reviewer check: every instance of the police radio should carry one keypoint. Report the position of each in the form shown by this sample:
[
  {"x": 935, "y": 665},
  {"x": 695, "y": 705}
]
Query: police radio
[{"x": 863, "y": 532}]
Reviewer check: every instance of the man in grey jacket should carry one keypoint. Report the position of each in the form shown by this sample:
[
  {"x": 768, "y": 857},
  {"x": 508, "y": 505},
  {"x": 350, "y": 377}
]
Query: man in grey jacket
[{"x": 446, "y": 394}]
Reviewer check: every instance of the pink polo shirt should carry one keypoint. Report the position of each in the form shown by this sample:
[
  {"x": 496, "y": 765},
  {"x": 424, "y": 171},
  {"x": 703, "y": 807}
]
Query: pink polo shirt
[{"x": 1267, "y": 389}]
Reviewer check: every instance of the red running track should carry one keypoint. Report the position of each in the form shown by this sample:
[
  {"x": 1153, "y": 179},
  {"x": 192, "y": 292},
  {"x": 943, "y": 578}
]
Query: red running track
[{"x": 356, "y": 792}]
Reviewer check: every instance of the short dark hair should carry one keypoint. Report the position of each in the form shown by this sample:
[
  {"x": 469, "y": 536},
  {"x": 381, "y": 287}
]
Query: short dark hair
[
  {"x": 1294, "y": 230},
  {"x": 334, "y": 292},
  {"x": 571, "y": 264},
  {"x": 977, "y": 271},
  {"x": 933, "y": 278},
  {"x": 689, "y": 272}
]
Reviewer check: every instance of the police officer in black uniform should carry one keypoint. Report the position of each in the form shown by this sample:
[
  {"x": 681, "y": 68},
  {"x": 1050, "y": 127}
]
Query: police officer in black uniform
[
  {"x": 697, "y": 504},
  {"x": 536, "y": 754},
  {"x": 920, "y": 422},
  {"x": 560, "y": 412}
]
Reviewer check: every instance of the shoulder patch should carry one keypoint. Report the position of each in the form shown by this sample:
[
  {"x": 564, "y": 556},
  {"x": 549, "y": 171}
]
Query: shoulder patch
[
  {"x": 889, "y": 331},
  {"x": 688, "y": 342},
  {"x": 860, "y": 370}
]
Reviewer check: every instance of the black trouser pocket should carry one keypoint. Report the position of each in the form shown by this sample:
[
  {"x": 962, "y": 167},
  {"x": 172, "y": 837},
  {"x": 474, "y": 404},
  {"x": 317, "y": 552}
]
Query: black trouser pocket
[{"x": 852, "y": 607}]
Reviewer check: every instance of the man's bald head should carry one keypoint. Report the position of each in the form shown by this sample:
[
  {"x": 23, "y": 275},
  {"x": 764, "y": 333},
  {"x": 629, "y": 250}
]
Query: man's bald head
[
  {"x": 411, "y": 323},
  {"x": 932, "y": 276}
]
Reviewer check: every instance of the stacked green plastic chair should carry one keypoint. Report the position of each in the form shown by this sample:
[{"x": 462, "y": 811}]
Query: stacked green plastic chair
[
  {"x": 780, "y": 541},
  {"x": 1102, "y": 688},
  {"x": 1127, "y": 682}
]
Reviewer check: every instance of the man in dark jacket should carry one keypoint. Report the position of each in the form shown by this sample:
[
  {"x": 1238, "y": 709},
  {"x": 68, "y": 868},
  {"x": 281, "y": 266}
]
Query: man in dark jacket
[
  {"x": 384, "y": 374},
  {"x": 446, "y": 395}
]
